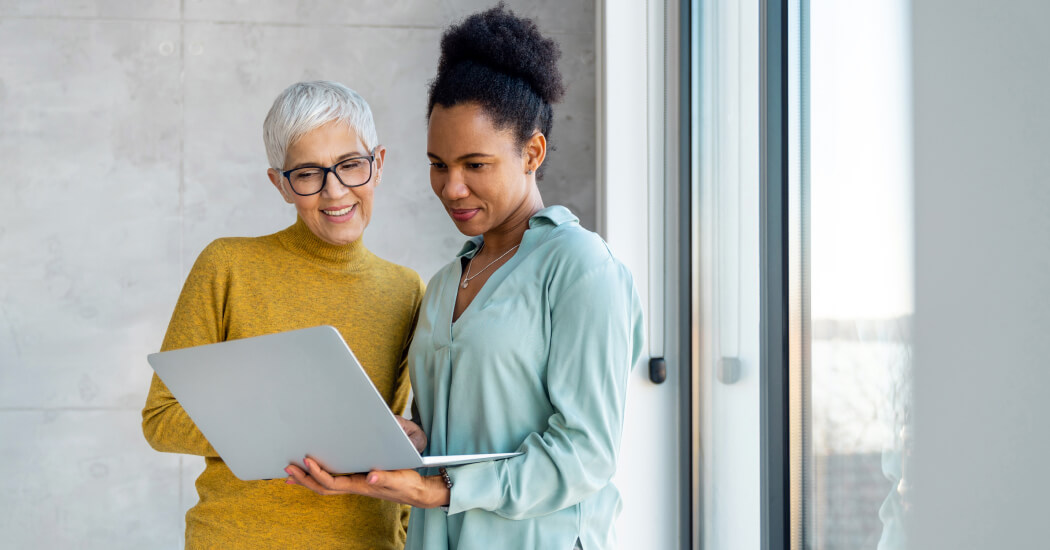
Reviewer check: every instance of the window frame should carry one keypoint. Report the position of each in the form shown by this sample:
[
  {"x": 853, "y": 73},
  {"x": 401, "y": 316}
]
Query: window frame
[{"x": 774, "y": 372}]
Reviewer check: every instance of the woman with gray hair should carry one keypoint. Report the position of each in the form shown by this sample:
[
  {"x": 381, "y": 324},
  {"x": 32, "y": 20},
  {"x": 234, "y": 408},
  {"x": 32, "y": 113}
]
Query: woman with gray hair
[{"x": 325, "y": 159}]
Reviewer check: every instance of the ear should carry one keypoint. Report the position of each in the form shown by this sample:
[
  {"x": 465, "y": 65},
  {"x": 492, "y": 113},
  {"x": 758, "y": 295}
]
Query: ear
[
  {"x": 278, "y": 181},
  {"x": 535, "y": 152},
  {"x": 380, "y": 160}
]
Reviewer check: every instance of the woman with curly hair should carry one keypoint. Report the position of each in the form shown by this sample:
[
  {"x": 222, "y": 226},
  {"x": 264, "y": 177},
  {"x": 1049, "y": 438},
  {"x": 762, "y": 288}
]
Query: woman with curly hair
[{"x": 525, "y": 341}]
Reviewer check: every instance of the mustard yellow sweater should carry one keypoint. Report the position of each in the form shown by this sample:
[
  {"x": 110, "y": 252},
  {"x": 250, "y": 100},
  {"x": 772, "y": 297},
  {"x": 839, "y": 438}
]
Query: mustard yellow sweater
[{"x": 241, "y": 287}]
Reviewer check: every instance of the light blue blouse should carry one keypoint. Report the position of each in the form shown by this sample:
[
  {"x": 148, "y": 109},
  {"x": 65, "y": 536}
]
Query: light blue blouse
[{"x": 539, "y": 363}]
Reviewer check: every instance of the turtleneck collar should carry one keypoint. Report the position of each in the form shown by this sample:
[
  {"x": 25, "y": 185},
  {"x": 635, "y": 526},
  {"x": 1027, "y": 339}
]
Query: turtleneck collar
[{"x": 348, "y": 257}]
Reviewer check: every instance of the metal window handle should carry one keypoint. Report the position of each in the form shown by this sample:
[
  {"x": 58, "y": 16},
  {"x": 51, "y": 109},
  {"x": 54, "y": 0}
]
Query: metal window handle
[
  {"x": 657, "y": 370},
  {"x": 728, "y": 370}
]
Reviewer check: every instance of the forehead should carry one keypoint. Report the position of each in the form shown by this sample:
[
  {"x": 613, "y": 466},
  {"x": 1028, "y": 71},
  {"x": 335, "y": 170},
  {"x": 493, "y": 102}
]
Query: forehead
[
  {"x": 334, "y": 138},
  {"x": 465, "y": 128}
]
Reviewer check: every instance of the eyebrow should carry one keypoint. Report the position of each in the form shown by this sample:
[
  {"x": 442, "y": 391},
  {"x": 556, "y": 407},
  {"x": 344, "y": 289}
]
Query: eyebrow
[
  {"x": 341, "y": 158},
  {"x": 467, "y": 156}
]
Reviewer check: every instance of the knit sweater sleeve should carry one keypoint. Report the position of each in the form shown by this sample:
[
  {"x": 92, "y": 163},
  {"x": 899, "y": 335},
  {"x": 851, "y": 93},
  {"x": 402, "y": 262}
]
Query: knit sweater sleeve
[
  {"x": 401, "y": 404},
  {"x": 198, "y": 319},
  {"x": 402, "y": 395}
]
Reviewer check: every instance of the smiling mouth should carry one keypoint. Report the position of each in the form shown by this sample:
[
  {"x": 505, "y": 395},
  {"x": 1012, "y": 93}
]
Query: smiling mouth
[
  {"x": 340, "y": 212},
  {"x": 463, "y": 214}
]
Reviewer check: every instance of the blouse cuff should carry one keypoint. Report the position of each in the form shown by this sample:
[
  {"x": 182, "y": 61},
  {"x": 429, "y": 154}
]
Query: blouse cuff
[{"x": 474, "y": 486}]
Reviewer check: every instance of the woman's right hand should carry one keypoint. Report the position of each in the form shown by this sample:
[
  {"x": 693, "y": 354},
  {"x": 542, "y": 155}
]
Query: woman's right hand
[{"x": 414, "y": 433}]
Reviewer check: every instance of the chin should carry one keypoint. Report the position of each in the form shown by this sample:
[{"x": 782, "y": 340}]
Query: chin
[
  {"x": 347, "y": 233},
  {"x": 339, "y": 238},
  {"x": 471, "y": 227},
  {"x": 345, "y": 240},
  {"x": 467, "y": 228}
]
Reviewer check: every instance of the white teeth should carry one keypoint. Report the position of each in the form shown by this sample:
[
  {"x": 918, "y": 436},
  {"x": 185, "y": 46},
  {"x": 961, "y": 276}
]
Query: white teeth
[{"x": 342, "y": 212}]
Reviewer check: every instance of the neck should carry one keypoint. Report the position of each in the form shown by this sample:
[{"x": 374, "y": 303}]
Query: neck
[
  {"x": 509, "y": 233},
  {"x": 348, "y": 257}
]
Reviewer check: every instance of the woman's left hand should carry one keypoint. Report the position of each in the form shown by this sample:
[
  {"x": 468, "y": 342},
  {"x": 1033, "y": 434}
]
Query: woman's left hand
[
  {"x": 402, "y": 486},
  {"x": 414, "y": 432}
]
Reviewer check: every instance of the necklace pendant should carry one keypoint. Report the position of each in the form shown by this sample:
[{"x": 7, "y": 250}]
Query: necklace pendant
[{"x": 464, "y": 285}]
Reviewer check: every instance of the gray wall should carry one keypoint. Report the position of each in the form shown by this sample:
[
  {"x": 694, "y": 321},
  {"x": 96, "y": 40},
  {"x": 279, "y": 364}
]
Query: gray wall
[
  {"x": 982, "y": 310},
  {"x": 130, "y": 138}
]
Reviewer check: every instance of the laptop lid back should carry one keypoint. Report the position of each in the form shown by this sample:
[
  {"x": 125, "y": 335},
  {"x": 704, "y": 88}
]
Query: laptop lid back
[{"x": 268, "y": 401}]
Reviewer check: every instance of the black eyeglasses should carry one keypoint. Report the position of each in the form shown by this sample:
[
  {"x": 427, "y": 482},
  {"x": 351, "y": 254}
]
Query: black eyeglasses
[{"x": 310, "y": 180}]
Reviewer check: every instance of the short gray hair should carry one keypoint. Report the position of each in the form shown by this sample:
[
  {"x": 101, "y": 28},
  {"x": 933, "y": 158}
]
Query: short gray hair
[{"x": 305, "y": 106}]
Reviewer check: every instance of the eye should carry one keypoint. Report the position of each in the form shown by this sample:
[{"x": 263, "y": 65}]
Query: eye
[
  {"x": 352, "y": 164},
  {"x": 306, "y": 173},
  {"x": 438, "y": 165},
  {"x": 475, "y": 165}
]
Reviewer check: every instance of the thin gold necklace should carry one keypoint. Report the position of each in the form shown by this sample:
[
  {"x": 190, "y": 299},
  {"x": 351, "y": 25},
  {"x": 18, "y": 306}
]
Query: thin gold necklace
[{"x": 468, "y": 277}]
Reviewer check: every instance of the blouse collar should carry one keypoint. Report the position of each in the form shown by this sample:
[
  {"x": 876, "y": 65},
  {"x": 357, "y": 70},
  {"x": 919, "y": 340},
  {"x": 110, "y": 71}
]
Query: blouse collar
[{"x": 552, "y": 215}]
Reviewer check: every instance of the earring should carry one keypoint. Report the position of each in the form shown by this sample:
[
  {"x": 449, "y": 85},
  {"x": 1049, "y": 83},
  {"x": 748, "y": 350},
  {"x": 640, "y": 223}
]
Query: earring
[{"x": 529, "y": 173}]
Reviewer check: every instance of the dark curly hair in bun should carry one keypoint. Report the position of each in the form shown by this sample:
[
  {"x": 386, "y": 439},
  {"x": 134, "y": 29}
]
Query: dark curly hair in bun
[{"x": 502, "y": 62}]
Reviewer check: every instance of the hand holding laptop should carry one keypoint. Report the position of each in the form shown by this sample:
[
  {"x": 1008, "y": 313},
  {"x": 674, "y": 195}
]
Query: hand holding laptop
[
  {"x": 414, "y": 432},
  {"x": 404, "y": 486},
  {"x": 389, "y": 485}
]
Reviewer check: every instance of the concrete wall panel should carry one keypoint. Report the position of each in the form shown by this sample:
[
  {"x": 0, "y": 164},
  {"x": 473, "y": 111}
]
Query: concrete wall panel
[
  {"x": 85, "y": 479},
  {"x": 90, "y": 216},
  {"x": 131, "y": 137}
]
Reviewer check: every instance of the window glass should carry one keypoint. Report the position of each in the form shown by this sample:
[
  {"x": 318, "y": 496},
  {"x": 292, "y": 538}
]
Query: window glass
[{"x": 850, "y": 264}]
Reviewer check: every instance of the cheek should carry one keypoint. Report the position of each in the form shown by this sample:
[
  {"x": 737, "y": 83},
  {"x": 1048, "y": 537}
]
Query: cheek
[
  {"x": 505, "y": 184},
  {"x": 366, "y": 197},
  {"x": 437, "y": 183},
  {"x": 304, "y": 205}
]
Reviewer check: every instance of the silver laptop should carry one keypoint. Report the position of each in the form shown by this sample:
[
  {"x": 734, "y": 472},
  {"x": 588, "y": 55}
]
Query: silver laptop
[{"x": 268, "y": 401}]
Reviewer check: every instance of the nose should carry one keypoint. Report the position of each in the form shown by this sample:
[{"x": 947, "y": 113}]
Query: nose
[
  {"x": 455, "y": 187},
  {"x": 332, "y": 187}
]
